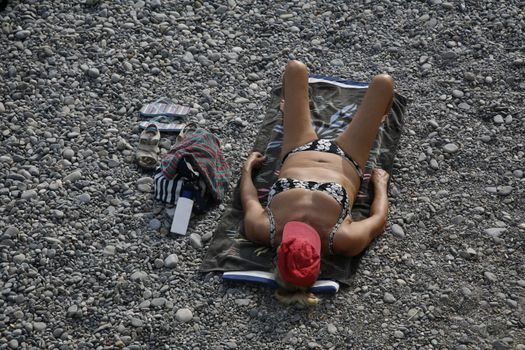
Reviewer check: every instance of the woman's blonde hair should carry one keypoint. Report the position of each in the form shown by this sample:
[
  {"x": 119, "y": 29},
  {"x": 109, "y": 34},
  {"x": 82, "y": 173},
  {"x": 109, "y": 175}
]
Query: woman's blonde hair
[{"x": 288, "y": 293}]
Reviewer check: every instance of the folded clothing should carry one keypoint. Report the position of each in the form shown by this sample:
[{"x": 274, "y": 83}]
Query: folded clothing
[{"x": 202, "y": 151}]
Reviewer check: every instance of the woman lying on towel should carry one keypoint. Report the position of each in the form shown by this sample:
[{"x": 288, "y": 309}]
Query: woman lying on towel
[{"x": 308, "y": 209}]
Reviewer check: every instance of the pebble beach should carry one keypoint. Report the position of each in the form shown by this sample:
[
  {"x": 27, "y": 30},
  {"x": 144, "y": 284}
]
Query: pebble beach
[{"x": 86, "y": 261}]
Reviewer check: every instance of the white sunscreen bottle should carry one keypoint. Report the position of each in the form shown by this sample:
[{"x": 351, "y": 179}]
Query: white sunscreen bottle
[{"x": 182, "y": 215}]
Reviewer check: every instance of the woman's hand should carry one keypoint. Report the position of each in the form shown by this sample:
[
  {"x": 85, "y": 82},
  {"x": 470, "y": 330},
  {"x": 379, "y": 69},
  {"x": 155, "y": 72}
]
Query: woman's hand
[
  {"x": 255, "y": 161},
  {"x": 379, "y": 178}
]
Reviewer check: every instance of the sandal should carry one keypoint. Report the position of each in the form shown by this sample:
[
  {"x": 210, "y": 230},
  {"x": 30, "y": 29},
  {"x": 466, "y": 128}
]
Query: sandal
[
  {"x": 148, "y": 149},
  {"x": 164, "y": 124}
]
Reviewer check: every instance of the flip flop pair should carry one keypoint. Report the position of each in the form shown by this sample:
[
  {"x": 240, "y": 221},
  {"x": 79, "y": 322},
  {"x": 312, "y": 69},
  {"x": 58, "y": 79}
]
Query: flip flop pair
[
  {"x": 163, "y": 107},
  {"x": 148, "y": 148},
  {"x": 166, "y": 115}
]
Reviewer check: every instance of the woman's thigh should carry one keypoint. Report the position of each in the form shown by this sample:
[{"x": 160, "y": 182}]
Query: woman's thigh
[
  {"x": 359, "y": 136},
  {"x": 297, "y": 122}
]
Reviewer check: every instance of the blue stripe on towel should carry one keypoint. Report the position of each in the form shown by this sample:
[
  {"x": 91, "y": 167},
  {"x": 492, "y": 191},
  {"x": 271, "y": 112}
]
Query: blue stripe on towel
[{"x": 317, "y": 78}]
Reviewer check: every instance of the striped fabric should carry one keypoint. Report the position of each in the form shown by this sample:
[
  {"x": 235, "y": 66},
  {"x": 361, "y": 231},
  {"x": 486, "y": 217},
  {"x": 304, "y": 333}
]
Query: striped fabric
[
  {"x": 167, "y": 191},
  {"x": 203, "y": 151},
  {"x": 159, "y": 108}
]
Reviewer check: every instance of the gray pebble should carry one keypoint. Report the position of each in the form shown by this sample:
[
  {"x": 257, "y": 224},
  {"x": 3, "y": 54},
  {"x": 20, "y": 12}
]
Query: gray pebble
[
  {"x": 93, "y": 73},
  {"x": 470, "y": 76},
  {"x": 434, "y": 164},
  {"x": 188, "y": 57},
  {"x": 433, "y": 123},
  {"x": 13, "y": 344},
  {"x": 464, "y": 106},
  {"x": 498, "y": 119},
  {"x": 139, "y": 276},
  {"x": 22, "y": 34},
  {"x": 159, "y": 263},
  {"x": 145, "y": 180},
  {"x": 145, "y": 304},
  {"x": 155, "y": 4},
  {"x": 491, "y": 189},
  {"x": 19, "y": 258},
  {"x": 84, "y": 198},
  {"x": 398, "y": 230},
  {"x": 337, "y": 62},
  {"x": 158, "y": 302},
  {"x": 490, "y": 276},
  {"x": 450, "y": 148},
  {"x": 495, "y": 231},
  {"x": 11, "y": 232},
  {"x": 231, "y": 345},
  {"x": 57, "y": 332},
  {"x": 504, "y": 190},
  {"x": 242, "y": 302},
  {"x": 171, "y": 261},
  {"x": 146, "y": 188},
  {"x": 195, "y": 241},
  {"x": 457, "y": 93},
  {"x": 399, "y": 334},
  {"x": 39, "y": 326},
  {"x": 68, "y": 154},
  {"x": 137, "y": 322},
  {"x": 389, "y": 298},
  {"x": 73, "y": 311},
  {"x": 253, "y": 77},
  {"x": 183, "y": 315},
  {"x": 206, "y": 237},
  {"x": 154, "y": 224},
  {"x": 500, "y": 345},
  {"x": 115, "y": 78},
  {"x": 466, "y": 292},
  {"x": 332, "y": 329},
  {"x": 74, "y": 176},
  {"x": 412, "y": 312},
  {"x": 29, "y": 194},
  {"x": 109, "y": 250}
]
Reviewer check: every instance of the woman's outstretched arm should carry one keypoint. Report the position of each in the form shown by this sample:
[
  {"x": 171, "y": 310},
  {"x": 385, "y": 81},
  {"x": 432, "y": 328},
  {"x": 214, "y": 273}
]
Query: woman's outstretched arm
[
  {"x": 256, "y": 224},
  {"x": 354, "y": 237}
]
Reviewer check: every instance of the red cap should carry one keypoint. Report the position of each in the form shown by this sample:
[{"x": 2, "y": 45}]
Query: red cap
[{"x": 299, "y": 257}]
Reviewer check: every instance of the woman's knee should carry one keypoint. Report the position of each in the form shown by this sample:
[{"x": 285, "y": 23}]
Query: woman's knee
[
  {"x": 384, "y": 82},
  {"x": 296, "y": 67}
]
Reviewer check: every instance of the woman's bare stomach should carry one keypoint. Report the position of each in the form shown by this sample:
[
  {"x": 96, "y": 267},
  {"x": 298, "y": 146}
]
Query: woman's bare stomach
[{"x": 322, "y": 167}]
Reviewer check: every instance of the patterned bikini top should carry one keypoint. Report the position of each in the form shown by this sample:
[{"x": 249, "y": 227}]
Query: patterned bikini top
[{"x": 333, "y": 189}]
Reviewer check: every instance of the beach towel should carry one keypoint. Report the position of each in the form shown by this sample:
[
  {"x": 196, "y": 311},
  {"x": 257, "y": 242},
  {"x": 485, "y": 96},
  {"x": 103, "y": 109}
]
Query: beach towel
[{"x": 333, "y": 102}]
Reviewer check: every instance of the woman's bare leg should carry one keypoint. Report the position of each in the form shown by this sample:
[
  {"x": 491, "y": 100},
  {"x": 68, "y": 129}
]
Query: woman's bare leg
[
  {"x": 298, "y": 128},
  {"x": 358, "y": 138}
]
